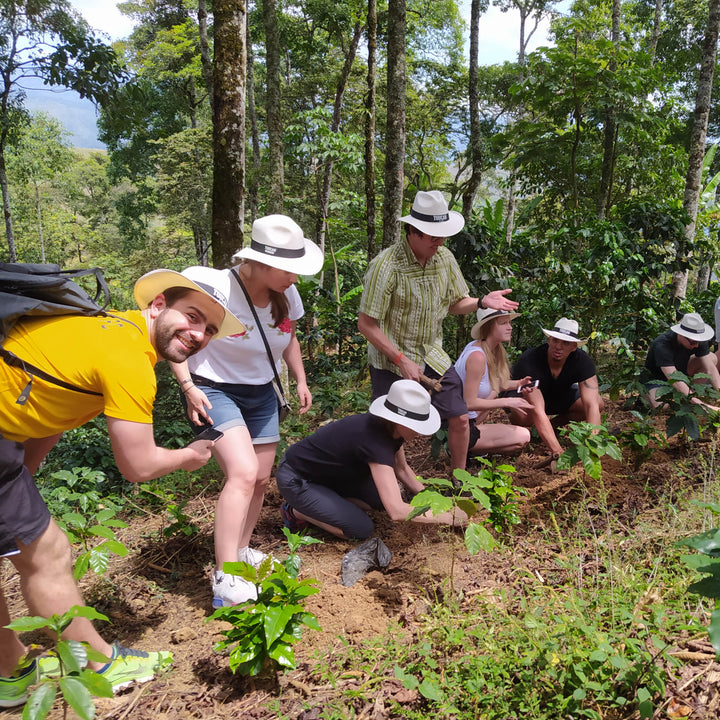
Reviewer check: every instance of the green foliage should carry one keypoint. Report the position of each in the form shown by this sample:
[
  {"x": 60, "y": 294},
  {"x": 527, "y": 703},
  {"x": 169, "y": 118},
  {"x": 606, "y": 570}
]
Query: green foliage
[
  {"x": 707, "y": 562},
  {"x": 84, "y": 530},
  {"x": 590, "y": 443},
  {"x": 641, "y": 437},
  {"x": 80, "y": 489},
  {"x": 264, "y": 630},
  {"x": 687, "y": 413},
  {"x": 75, "y": 682}
]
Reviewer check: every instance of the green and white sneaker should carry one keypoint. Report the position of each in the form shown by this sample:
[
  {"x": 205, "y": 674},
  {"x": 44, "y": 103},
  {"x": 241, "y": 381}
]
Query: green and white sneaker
[
  {"x": 14, "y": 690},
  {"x": 126, "y": 666}
]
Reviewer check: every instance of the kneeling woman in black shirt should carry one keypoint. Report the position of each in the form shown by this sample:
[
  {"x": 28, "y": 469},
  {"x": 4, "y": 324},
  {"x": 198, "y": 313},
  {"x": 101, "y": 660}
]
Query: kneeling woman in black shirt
[{"x": 351, "y": 465}]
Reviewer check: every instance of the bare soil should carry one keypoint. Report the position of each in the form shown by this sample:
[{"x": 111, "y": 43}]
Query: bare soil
[{"x": 158, "y": 597}]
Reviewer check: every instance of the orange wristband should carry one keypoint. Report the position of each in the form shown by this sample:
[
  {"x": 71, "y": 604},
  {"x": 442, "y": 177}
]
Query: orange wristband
[{"x": 397, "y": 359}]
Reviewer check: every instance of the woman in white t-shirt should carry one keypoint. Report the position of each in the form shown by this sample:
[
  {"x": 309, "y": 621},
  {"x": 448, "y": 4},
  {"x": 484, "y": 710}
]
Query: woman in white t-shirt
[
  {"x": 484, "y": 369},
  {"x": 228, "y": 385}
]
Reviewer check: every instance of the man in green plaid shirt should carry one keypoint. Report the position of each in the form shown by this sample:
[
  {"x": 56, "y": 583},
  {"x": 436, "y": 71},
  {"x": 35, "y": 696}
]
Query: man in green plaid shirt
[{"x": 409, "y": 289}]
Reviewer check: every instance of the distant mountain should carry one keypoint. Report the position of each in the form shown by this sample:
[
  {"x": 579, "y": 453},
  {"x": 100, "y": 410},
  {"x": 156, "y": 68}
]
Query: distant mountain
[{"x": 78, "y": 116}]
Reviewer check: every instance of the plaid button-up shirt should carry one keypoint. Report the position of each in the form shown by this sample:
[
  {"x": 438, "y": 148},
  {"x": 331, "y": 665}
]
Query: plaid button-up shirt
[{"x": 410, "y": 302}]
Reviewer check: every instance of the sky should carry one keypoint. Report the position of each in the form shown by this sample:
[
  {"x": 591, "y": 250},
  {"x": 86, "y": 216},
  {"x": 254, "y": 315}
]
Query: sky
[{"x": 499, "y": 37}]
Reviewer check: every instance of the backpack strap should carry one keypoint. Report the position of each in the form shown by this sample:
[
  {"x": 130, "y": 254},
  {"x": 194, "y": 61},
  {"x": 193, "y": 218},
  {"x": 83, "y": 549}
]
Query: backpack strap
[{"x": 29, "y": 369}]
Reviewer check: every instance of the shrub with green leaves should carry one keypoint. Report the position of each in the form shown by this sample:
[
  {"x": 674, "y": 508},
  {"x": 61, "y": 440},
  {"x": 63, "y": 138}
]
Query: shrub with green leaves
[
  {"x": 589, "y": 444},
  {"x": 75, "y": 682},
  {"x": 264, "y": 630},
  {"x": 641, "y": 437},
  {"x": 688, "y": 413},
  {"x": 84, "y": 530}
]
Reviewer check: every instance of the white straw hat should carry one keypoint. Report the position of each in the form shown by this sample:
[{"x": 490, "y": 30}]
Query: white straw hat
[
  {"x": 278, "y": 241},
  {"x": 565, "y": 329},
  {"x": 692, "y": 327},
  {"x": 408, "y": 403},
  {"x": 485, "y": 315},
  {"x": 430, "y": 214},
  {"x": 212, "y": 282}
]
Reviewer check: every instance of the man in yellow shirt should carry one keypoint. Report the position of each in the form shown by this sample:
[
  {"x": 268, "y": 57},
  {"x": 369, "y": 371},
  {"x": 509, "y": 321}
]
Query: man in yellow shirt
[{"x": 110, "y": 363}]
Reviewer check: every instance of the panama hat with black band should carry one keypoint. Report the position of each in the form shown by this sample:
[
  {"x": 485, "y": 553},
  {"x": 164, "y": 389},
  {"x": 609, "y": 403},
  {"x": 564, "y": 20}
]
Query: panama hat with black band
[
  {"x": 209, "y": 281},
  {"x": 430, "y": 214},
  {"x": 278, "y": 241},
  {"x": 485, "y": 315},
  {"x": 694, "y": 328},
  {"x": 407, "y": 403},
  {"x": 565, "y": 329}
]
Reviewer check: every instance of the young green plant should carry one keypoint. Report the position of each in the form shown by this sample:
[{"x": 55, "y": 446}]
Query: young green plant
[
  {"x": 589, "y": 444},
  {"x": 75, "y": 682},
  {"x": 263, "y": 631}
]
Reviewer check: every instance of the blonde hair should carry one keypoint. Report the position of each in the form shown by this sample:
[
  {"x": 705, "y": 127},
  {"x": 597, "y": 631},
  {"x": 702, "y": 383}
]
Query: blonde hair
[{"x": 497, "y": 360}]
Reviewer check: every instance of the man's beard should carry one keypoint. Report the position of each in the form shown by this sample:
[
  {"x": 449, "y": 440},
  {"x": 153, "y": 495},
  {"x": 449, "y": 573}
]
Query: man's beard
[{"x": 166, "y": 334}]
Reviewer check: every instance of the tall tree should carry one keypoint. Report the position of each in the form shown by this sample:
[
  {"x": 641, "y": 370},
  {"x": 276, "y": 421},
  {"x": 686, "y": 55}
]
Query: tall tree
[
  {"x": 48, "y": 40},
  {"x": 273, "y": 108},
  {"x": 370, "y": 113},
  {"x": 395, "y": 127},
  {"x": 697, "y": 136},
  {"x": 229, "y": 66}
]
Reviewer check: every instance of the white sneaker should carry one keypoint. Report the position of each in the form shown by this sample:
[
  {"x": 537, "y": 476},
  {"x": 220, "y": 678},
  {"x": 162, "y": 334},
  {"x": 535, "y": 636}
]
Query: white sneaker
[
  {"x": 251, "y": 556},
  {"x": 229, "y": 590}
]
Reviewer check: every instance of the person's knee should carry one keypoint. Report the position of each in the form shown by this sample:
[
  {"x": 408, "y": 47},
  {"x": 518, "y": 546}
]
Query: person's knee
[
  {"x": 360, "y": 529},
  {"x": 50, "y": 553},
  {"x": 459, "y": 423}
]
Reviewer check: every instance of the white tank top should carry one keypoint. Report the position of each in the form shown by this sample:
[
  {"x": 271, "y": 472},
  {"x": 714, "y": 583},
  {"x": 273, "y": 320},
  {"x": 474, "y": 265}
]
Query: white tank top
[{"x": 484, "y": 389}]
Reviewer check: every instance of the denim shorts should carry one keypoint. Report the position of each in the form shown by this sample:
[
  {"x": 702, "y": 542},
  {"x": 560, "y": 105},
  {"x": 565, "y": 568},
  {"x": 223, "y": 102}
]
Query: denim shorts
[{"x": 252, "y": 406}]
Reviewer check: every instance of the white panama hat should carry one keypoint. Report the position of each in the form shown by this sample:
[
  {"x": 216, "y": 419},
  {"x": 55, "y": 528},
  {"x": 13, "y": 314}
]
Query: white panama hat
[
  {"x": 485, "y": 315},
  {"x": 278, "y": 241},
  {"x": 408, "y": 403},
  {"x": 212, "y": 282},
  {"x": 565, "y": 329},
  {"x": 693, "y": 327},
  {"x": 430, "y": 214}
]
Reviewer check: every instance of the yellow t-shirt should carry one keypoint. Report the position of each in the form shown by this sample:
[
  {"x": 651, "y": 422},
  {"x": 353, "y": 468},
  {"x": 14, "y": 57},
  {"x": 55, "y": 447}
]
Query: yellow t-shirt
[{"x": 108, "y": 355}]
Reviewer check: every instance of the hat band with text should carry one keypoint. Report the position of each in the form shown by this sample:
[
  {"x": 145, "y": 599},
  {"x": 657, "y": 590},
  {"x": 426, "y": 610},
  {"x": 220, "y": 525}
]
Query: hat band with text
[
  {"x": 565, "y": 332},
  {"x": 213, "y": 292},
  {"x": 277, "y": 252},
  {"x": 430, "y": 218},
  {"x": 405, "y": 413}
]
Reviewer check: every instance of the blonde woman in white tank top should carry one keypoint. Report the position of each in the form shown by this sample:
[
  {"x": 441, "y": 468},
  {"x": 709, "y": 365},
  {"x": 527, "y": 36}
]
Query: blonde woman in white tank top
[{"x": 484, "y": 369}]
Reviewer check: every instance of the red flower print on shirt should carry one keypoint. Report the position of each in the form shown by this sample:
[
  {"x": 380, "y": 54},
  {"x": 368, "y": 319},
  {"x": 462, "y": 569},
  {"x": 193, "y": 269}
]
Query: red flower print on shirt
[{"x": 285, "y": 326}]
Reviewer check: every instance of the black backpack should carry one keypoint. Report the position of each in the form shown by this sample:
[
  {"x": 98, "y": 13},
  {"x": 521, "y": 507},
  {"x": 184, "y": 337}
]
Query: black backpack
[{"x": 33, "y": 290}]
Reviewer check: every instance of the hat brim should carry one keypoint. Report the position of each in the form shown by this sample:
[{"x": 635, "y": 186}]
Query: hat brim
[
  {"x": 447, "y": 228},
  {"x": 707, "y": 335},
  {"x": 561, "y": 336},
  {"x": 422, "y": 427},
  {"x": 156, "y": 282},
  {"x": 309, "y": 264},
  {"x": 475, "y": 332}
]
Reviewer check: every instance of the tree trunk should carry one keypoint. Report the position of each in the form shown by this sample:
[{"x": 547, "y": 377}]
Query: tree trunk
[
  {"x": 205, "y": 59},
  {"x": 254, "y": 134},
  {"x": 656, "y": 28},
  {"x": 395, "y": 131},
  {"x": 473, "y": 183},
  {"x": 276, "y": 173},
  {"x": 697, "y": 139},
  {"x": 370, "y": 216},
  {"x": 610, "y": 129},
  {"x": 9, "y": 234},
  {"x": 228, "y": 129},
  {"x": 334, "y": 128}
]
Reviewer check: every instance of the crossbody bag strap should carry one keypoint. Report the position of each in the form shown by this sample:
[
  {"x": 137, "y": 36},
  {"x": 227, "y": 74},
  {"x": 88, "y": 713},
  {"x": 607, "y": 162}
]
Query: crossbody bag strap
[{"x": 262, "y": 333}]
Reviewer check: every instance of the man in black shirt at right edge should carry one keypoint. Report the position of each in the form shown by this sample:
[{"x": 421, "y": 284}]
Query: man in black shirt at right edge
[
  {"x": 683, "y": 347},
  {"x": 568, "y": 385}
]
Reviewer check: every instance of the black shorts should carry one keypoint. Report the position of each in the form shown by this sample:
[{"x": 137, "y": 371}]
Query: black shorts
[
  {"x": 326, "y": 504},
  {"x": 23, "y": 513},
  {"x": 449, "y": 402}
]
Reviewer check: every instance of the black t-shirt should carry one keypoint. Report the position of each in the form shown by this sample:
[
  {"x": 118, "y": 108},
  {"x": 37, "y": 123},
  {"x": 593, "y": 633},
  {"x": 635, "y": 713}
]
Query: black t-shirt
[
  {"x": 666, "y": 351},
  {"x": 342, "y": 450},
  {"x": 558, "y": 392}
]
